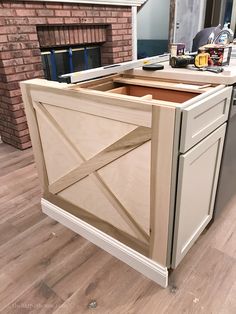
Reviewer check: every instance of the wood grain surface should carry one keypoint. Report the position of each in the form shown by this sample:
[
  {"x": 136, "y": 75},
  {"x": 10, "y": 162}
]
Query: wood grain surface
[
  {"x": 124, "y": 145},
  {"x": 124, "y": 140},
  {"x": 46, "y": 268}
]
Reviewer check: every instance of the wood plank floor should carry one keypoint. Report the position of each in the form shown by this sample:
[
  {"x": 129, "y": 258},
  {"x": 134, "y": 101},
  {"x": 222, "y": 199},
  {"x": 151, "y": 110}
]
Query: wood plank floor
[{"x": 46, "y": 268}]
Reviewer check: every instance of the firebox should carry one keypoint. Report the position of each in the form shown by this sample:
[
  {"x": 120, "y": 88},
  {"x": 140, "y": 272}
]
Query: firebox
[{"x": 62, "y": 60}]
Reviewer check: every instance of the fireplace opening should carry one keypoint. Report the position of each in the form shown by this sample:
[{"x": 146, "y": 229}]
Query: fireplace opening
[{"x": 65, "y": 59}]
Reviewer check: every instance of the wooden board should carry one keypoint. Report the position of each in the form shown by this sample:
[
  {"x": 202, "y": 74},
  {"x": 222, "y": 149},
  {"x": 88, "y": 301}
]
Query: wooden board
[
  {"x": 161, "y": 179},
  {"x": 169, "y": 85},
  {"x": 161, "y": 94}
]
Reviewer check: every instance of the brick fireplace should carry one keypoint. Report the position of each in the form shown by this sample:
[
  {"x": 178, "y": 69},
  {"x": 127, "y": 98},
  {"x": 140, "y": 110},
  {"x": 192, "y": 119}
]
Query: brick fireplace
[{"x": 28, "y": 26}]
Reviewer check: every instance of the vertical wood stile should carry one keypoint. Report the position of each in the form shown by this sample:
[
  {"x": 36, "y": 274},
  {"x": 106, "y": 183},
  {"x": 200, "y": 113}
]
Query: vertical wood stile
[
  {"x": 163, "y": 123},
  {"x": 34, "y": 135}
]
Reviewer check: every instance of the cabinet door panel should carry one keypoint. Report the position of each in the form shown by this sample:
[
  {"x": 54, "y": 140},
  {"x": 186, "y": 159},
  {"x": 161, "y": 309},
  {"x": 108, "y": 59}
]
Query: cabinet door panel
[
  {"x": 203, "y": 117},
  {"x": 197, "y": 183}
]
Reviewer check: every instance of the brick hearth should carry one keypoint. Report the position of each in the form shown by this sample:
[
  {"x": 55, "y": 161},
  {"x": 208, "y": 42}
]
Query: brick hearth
[{"x": 22, "y": 28}]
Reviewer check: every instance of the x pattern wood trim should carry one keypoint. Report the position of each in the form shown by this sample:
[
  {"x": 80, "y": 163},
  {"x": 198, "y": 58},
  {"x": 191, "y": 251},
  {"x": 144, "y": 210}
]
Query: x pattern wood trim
[{"x": 124, "y": 145}]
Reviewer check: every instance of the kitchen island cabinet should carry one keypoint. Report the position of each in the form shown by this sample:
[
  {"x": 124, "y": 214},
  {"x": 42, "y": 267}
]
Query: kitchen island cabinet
[{"x": 130, "y": 161}]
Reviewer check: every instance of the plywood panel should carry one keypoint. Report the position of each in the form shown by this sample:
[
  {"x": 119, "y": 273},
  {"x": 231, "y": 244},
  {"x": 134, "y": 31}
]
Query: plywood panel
[
  {"x": 129, "y": 179},
  {"x": 100, "y": 201},
  {"x": 161, "y": 94},
  {"x": 87, "y": 195},
  {"x": 124, "y": 145},
  {"x": 60, "y": 158},
  {"x": 89, "y": 133}
]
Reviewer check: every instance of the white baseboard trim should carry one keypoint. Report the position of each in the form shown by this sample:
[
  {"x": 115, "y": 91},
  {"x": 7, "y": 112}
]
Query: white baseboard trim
[{"x": 139, "y": 262}]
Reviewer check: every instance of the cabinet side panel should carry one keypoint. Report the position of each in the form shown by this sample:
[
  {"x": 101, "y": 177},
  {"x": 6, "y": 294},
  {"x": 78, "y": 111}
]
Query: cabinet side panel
[{"x": 95, "y": 157}]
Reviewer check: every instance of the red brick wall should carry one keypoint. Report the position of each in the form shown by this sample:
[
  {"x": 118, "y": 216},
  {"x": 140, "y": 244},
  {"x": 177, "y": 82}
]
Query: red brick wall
[
  {"x": 62, "y": 35},
  {"x": 20, "y": 54}
]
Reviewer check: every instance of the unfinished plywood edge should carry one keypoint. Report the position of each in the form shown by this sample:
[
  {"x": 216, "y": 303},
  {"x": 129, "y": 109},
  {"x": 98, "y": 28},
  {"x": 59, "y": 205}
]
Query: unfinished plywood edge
[
  {"x": 139, "y": 262},
  {"x": 178, "y": 86},
  {"x": 148, "y": 97},
  {"x": 119, "y": 90},
  {"x": 95, "y": 82},
  {"x": 116, "y": 97}
]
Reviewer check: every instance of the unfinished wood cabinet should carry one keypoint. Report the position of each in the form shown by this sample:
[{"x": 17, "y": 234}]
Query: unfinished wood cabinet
[{"x": 108, "y": 153}]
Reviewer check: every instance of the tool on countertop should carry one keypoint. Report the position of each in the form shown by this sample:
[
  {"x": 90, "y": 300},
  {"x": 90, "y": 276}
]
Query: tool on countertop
[
  {"x": 213, "y": 69},
  {"x": 212, "y": 57},
  {"x": 90, "y": 74},
  {"x": 177, "y": 49},
  {"x": 225, "y": 36},
  {"x": 218, "y": 55},
  {"x": 214, "y": 48},
  {"x": 201, "y": 60},
  {"x": 180, "y": 61},
  {"x": 153, "y": 67},
  {"x": 178, "y": 58}
]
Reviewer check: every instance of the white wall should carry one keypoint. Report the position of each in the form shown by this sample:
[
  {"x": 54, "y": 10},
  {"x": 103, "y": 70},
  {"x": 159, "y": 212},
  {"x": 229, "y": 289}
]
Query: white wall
[
  {"x": 153, "y": 20},
  {"x": 190, "y": 15}
]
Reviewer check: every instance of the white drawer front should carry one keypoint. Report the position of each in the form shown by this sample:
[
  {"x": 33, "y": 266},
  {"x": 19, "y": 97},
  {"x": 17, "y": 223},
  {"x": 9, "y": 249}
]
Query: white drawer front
[{"x": 203, "y": 117}]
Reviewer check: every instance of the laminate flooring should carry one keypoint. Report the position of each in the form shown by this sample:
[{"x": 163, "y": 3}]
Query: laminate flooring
[{"x": 46, "y": 268}]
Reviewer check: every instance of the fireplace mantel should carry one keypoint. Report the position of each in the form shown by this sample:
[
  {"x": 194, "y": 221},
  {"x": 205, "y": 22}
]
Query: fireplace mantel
[{"x": 103, "y": 2}]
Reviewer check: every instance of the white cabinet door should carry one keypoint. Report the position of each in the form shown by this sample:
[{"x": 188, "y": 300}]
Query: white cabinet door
[{"x": 196, "y": 190}]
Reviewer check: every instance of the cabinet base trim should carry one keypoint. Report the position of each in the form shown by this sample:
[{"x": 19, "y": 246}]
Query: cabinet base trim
[{"x": 139, "y": 262}]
